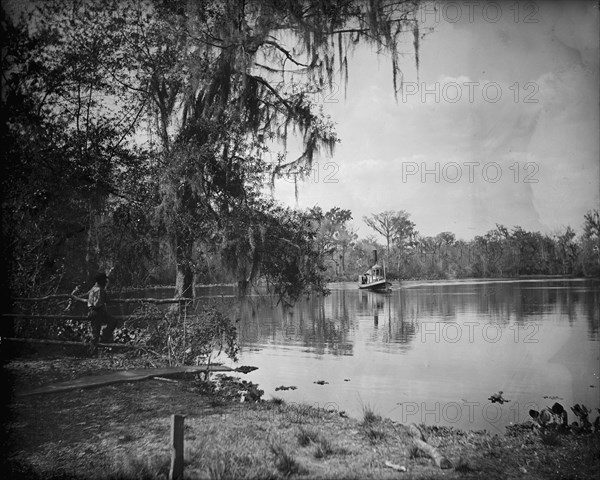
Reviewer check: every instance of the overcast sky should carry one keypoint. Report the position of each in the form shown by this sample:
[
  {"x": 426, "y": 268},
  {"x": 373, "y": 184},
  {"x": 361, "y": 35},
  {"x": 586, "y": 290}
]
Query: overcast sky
[{"x": 508, "y": 133}]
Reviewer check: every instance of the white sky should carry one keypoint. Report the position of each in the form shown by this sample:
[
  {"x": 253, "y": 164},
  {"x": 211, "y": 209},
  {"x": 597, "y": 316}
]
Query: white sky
[{"x": 534, "y": 113}]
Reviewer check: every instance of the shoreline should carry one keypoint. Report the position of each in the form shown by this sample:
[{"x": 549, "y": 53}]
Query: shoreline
[
  {"x": 396, "y": 281},
  {"x": 122, "y": 431},
  {"x": 268, "y": 440}
]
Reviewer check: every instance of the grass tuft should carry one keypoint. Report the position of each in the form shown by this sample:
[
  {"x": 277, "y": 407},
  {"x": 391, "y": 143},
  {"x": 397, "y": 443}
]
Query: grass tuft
[
  {"x": 414, "y": 452},
  {"x": 285, "y": 463},
  {"x": 374, "y": 433},
  {"x": 323, "y": 445},
  {"x": 305, "y": 437},
  {"x": 370, "y": 423},
  {"x": 323, "y": 448},
  {"x": 369, "y": 415},
  {"x": 143, "y": 469},
  {"x": 463, "y": 466},
  {"x": 220, "y": 470},
  {"x": 299, "y": 413}
]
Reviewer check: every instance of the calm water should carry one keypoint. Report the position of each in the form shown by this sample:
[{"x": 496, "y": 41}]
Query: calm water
[{"x": 430, "y": 352}]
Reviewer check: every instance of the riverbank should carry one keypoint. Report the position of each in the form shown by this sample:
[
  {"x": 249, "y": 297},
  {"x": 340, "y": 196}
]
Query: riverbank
[{"x": 122, "y": 431}]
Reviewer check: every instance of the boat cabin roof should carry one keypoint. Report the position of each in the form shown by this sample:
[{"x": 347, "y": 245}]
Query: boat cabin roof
[{"x": 374, "y": 267}]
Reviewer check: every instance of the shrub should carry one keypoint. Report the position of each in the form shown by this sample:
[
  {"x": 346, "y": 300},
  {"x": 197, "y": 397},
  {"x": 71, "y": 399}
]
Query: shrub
[{"x": 194, "y": 338}]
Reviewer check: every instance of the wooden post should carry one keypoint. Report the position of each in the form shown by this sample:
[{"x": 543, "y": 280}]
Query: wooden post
[{"x": 176, "y": 472}]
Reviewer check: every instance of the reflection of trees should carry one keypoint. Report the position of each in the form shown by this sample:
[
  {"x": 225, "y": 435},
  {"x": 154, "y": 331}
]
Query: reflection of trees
[
  {"x": 405, "y": 329},
  {"x": 330, "y": 325},
  {"x": 393, "y": 319},
  {"x": 592, "y": 312},
  {"x": 321, "y": 324}
]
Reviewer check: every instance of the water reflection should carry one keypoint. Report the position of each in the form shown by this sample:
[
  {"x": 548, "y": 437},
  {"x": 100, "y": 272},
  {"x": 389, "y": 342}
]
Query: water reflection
[
  {"x": 426, "y": 346},
  {"x": 327, "y": 323},
  {"x": 432, "y": 342}
]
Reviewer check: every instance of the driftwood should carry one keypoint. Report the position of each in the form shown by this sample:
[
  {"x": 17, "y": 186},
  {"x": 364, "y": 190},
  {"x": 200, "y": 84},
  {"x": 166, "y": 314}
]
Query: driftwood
[
  {"x": 113, "y": 300},
  {"x": 432, "y": 452}
]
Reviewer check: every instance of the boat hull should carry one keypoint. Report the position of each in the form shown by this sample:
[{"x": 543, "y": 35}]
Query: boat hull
[{"x": 379, "y": 285}]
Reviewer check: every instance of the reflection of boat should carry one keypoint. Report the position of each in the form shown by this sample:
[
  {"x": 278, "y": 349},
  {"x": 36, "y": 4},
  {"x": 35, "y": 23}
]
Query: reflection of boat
[{"x": 374, "y": 278}]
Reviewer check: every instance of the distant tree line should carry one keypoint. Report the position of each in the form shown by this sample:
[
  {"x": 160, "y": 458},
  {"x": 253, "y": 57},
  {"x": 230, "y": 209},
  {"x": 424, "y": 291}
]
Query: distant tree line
[{"x": 501, "y": 252}]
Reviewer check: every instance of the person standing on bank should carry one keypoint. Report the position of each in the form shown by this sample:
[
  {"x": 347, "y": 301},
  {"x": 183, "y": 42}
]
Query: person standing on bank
[{"x": 98, "y": 313}]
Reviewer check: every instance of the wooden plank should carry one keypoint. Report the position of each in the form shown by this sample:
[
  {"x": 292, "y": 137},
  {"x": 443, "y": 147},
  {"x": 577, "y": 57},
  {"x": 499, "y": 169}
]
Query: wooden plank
[
  {"x": 176, "y": 471},
  {"x": 120, "y": 376}
]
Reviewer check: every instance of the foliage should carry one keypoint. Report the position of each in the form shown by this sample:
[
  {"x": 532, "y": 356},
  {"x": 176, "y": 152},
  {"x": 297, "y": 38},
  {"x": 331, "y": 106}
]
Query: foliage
[
  {"x": 63, "y": 139},
  {"x": 237, "y": 389},
  {"x": 133, "y": 126},
  {"x": 334, "y": 236},
  {"x": 263, "y": 240},
  {"x": 553, "y": 422},
  {"x": 590, "y": 244},
  {"x": 146, "y": 122},
  {"x": 399, "y": 233},
  {"x": 395, "y": 227},
  {"x": 501, "y": 252},
  {"x": 194, "y": 338},
  {"x": 185, "y": 338}
]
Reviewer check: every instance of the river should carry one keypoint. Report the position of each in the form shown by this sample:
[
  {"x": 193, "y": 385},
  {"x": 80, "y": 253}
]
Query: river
[{"x": 430, "y": 351}]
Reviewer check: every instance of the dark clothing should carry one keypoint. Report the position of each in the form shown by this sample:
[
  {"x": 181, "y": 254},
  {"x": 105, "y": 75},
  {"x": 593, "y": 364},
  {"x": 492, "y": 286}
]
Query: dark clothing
[
  {"x": 99, "y": 317},
  {"x": 98, "y": 314}
]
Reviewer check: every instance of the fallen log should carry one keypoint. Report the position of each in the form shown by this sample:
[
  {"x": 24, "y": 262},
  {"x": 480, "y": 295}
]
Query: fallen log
[{"x": 432, "y": 452}]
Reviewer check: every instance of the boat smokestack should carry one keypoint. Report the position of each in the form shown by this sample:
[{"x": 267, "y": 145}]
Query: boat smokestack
[{"x": 374, "y": 257}]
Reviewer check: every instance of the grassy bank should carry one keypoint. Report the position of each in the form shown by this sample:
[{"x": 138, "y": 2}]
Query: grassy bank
[{"x": 122, "y": 431}]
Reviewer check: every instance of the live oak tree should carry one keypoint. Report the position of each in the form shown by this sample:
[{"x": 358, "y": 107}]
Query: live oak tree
[
  {"x": 202, "y": 85},
  {"x": 219, "y": 98},
  {"x": 334, "y": 236},
  {"x": 384, "y": 224},
  {"x": 397, "y": 229}
]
